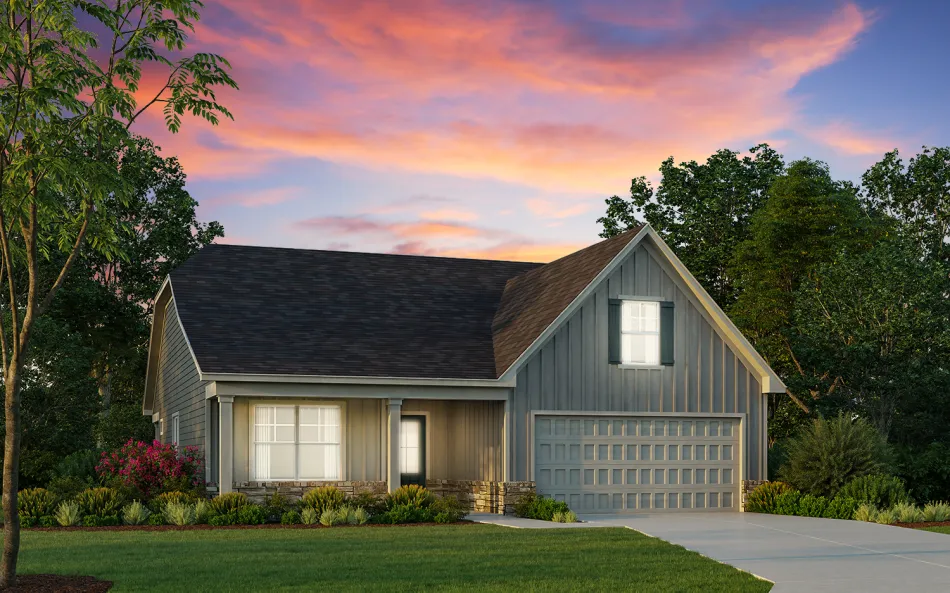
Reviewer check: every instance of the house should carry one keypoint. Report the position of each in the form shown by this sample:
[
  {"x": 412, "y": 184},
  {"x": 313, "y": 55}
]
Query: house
[{"x": 608, "y": 378}]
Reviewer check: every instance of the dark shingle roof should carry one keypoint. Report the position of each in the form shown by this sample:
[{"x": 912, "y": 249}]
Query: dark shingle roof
[
  {"x": 263, "y": 310},
  {"x": 533, "y": 300}
]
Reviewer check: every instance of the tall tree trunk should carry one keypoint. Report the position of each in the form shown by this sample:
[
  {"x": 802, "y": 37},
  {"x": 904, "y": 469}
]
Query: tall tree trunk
[{"x": 11, "y": 471}]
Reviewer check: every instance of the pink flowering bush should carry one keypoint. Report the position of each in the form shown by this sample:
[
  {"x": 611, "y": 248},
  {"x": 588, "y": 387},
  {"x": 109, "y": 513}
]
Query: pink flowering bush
[{"x": 150, "y": 469}]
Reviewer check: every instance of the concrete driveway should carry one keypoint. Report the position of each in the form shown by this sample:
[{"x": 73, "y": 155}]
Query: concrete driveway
[{"x": 801, "y": 554}]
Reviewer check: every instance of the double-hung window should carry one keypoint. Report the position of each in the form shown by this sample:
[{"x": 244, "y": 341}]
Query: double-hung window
[
  {"x": 297, "y": 442},
  {"x": 640, "y": 333}
]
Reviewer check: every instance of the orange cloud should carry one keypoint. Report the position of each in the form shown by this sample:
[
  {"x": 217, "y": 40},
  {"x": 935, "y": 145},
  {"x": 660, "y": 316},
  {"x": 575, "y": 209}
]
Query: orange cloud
[
  {"x": 845, "y": 139},
  {"x": 550, "y": 209}
]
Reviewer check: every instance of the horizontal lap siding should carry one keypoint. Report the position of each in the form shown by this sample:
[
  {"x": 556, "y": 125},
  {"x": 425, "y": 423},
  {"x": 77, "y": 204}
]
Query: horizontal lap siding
[
  {"x": 571, "y": 371},
  {"x": 178, "y": 388}
]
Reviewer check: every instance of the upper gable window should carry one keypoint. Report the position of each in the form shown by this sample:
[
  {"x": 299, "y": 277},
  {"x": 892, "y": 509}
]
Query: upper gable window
[{"x": 640, "y": 333}]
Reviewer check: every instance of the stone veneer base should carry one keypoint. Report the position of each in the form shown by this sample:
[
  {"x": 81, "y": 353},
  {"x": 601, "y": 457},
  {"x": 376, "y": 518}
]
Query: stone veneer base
[
  {"x": 747, "y": 487},
  {"x": 257, "y": 491}
]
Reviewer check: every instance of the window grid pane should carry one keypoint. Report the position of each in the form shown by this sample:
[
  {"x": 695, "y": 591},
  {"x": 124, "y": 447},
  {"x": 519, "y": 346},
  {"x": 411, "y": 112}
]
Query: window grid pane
[
  {"x": 302, "y": 443},
  {"x": 640, "y": 332}
]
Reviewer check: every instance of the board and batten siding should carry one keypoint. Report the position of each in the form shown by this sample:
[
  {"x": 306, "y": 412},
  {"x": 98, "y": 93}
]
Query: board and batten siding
[
  {"x": 177, "y": 387},
  {"x": 465, "y": 439},
  {"x": 571, "y": 371}
]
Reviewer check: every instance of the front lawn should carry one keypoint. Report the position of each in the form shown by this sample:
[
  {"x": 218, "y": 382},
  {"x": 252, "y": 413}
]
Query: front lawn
[
  {"x": 939, "y": 529},
  {"x": 447, "y": 558}
]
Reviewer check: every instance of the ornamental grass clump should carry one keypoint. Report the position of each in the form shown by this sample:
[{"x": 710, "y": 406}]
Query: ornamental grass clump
[
  {"x": 907, "y": 513},
  {"x": 866, "y": 512},
  {"x": 149, "y": 469},
  {"x": 361, "y": 516},
  {"x": 827, "y": 454},
  {"x": 228, "y": 502},
  {"x": 330, "y": 517},
  {"x": 179, "y": 513},
  {"x": 309, "y": 516},
  {"x": 203, "y": 512},
  {"x": 886, "y": 517},
  {"x": 174, "y": 496},
  {"x": 410, "y": 495},
  {"x": 68, "y": 514},
  {"x": 135, "y": 513},
  {"x": 324, "y": 498},
  {"x": 937, "y": 512}
]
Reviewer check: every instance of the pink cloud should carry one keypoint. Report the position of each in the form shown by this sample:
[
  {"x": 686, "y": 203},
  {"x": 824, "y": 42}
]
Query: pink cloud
[
  {"x": 847, "y": 140},
  {"x": 544, "y": 208}
]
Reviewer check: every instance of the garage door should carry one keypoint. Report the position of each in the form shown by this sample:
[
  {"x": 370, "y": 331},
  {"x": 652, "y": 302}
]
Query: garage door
[{"x": 617, "y": 464}]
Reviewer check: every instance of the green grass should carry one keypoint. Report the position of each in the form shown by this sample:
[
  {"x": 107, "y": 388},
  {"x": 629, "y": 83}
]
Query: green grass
[
  {"x": 937, "y": 529},
  {"x": 444, "y": 558}
]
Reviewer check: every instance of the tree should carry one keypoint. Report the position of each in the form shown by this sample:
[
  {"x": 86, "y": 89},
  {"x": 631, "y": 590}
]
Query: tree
[
  {"x": 66, "y": 107},
  {"x": 703, "y": 211},
  {"x": 807, "y": 219},
  {"x": 917, "y": 197}
]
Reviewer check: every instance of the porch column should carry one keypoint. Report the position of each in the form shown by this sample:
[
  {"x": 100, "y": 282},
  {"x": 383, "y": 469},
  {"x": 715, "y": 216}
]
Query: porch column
[
  {"x": 225, "y": 443},
  {"x": 506, "y": 443},
  {"x": 395, "y": 423}
]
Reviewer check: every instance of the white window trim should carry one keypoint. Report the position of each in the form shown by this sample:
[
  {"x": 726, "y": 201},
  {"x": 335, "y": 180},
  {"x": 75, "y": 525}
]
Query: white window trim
[
  {"x": 176, "y": 429},
  {"x": 428, "y": 417},
  {"x": 640, "y": 365},
  {"x": 296, "y": 403}
]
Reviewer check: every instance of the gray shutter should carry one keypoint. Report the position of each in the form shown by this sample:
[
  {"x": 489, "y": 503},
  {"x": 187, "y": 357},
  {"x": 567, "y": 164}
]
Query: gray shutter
[
  {"x": 666, "y": 333},
  {"x": 613, "y": 331}
]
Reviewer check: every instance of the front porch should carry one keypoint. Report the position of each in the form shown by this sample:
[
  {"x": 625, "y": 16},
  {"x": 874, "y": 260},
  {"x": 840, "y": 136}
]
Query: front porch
[{"x": 290, "y": 445}]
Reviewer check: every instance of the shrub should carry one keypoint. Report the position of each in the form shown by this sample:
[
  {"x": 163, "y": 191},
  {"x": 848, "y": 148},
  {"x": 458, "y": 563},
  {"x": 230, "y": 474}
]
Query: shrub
[
  {"x": 80, "y": 465},
  {"x": 135, "y": 513},
  {"x": 448, "y": 509},
  {"x": 155, "y": 519},
  {"x": 412, "y": 495},
  {"x": 371, "y": 502},
  {"x": 562, "y": 517},
  {"x": 812, "y": 506},
  {"x": 251, "y": 514},
  {"x": 346, "y": 514},
  {"x": 35, "y": 503},
  {"x": 175, "y": 496},
  {"x": 762, "y": 498},
  {"x": 937, "y": 511},
  {"x": 275, "y": 506},
  {"x": 361, "y": 515},
  {"x": 828, "y": 454},
  {"x": 151, "y": 469},
  {"x": 880, "y": 491},
  {"x": 290, "y": 518},
  {"x": 907, "y": 513},
  {"x": 866, "y": 512},
  {"x": 68, "y": 514},
  {"x": 532, "y": 506},
  {"x": 406, "y": 513},
  {"x": 229, "y": 518},
  {"x": 324, "y": 498},
  {"x": 67, "y": 486},
  {"x": 179, "y": 513},
  {"x": 100, "y": 502},
  {"x": 886, "y": 517},
  {"x": 309, "y": 516},
  {"x": 841, "y": 507},
  {"x": 329, "y": 517},
  {"x": 231, "y": 501},
  {"x": 786, "y": 503},
  {"x": 104, "y": 521},
  {"x": 203, "y": 512}
]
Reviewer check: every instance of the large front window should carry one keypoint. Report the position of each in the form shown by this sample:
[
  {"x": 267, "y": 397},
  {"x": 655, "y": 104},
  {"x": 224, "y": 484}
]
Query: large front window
[
  {"x": 297, "y": 442},
  {"x": 640, "y": 333}
]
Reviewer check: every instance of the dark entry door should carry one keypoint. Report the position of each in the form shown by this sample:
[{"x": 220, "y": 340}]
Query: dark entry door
[{"x": 412, "y": 450}]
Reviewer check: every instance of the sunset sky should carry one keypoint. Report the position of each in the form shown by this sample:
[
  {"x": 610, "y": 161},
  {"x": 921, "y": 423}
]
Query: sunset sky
[{"x": 496, "y": 129}]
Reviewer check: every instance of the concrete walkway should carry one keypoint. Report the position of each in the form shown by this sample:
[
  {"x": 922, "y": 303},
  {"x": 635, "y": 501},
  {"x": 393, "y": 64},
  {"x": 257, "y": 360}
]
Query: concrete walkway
[
  {"x": 519, "y": 523},
  {"x": 806, "y": 555}
]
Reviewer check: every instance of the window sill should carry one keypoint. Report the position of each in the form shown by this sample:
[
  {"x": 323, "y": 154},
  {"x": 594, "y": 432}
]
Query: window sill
[{"x": 643, "y": 367}]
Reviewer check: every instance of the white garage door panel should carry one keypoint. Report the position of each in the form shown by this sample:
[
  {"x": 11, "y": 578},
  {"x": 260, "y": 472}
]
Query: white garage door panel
[{"x": 616, "y": 464}]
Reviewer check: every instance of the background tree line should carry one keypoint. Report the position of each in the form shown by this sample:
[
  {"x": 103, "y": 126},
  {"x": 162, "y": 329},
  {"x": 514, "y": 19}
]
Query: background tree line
[{"x": 843, "y": 288}]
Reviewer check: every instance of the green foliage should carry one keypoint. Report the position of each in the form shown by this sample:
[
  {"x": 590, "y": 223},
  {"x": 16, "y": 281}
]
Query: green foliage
[
  {"x": 562, "y": 517},
  {"x": 155, "y": 519},
  {"x": 36, "y": 503},
  {"x": 174, "y": 497},
  {"x": 866, "y": 512},
  {"x": 841, "y": 507},
  {"x": 79, "y": 464},
  {"x": 323, "y": 498},
  {"x": 907, "y": 513},
  {"x": 703, "y": 211},
  {"x": 135, "y": 513},
  {"x": 291, "y": 518},
  {"x": 827, "y": 454},
  {"x": 67, "y": 487},
  {"x": 886, "y": 517},
  {"x": 224, "y": 519},
  {"x": 936, "y": 512},
  {"x": 100, "y": 502},
  {"x": 68, "y": 514},
  {"x": 231, "y": 501},
  {"x": 309, "y": 516},
  {"x": 533, "y": 506},
  {"x": 373, "y": 503},
  {"x": 179, "y": 513},
  {"x": 251, "y": 514},
  {"x": 926, "y": 466},
  {"x": 787, "y": 503},
  {"x": 361, "y": 516},
  {"x": 101, "y": 521},
  {"x": 330, "y": 517},
  {"x": 412, "y": 495},
  {"x": 812, "y": 506},
  {"x": 878, "y": 490},
  {"x": 123, "y": 422},
  {"x": 448, "y": 509},
  {"x": 763, "y": 498},
  {"x": 203, "y": 511},
  {"x": 406, "y": 513},
  {"x": 275, "y": 506}
]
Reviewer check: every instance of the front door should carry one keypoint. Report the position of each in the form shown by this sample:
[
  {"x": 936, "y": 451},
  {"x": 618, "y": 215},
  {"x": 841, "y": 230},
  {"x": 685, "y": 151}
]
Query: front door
[{"x": 412, "y": 450}]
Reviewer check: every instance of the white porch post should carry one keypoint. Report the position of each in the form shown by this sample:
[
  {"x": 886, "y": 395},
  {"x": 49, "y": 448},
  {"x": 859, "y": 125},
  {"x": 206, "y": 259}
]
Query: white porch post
[
  {"x": 395, "y": 423},
  {"x": 225, "y": 443},
  {"x": 506, "y": 444}
]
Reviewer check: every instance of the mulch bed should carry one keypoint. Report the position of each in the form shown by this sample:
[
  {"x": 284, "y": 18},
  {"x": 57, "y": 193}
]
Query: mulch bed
[
  {"x": 50, "y": 583},
  {"x": 924, "y": 524},
  {"x": 211, "y": 527}
]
